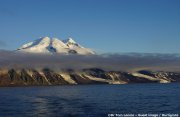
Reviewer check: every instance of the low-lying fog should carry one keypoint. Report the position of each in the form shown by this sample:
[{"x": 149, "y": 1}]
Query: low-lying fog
[{"x": 117, "y": 62}]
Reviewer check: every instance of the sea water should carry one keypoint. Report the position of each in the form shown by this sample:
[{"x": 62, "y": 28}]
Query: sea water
[{"x": 90, "y": 100}]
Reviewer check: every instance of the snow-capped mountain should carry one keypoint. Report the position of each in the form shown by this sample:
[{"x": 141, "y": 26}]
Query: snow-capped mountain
[{"x": 54, "y": 45}]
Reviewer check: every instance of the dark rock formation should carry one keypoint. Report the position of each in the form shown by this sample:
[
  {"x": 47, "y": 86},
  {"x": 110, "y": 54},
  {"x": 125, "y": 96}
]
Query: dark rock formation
[{"x": 30, "y": 77}]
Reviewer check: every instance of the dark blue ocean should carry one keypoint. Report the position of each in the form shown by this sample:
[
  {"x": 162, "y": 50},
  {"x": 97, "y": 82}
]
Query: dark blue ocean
[{"x": 89, "y": 100}]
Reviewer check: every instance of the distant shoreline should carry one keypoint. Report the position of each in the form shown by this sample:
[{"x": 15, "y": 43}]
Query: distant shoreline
[{"x": 48, "y": 77}]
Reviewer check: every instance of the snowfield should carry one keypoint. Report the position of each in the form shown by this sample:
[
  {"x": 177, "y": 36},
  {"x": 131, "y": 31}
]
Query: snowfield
[{"x": 48, "y": 45}]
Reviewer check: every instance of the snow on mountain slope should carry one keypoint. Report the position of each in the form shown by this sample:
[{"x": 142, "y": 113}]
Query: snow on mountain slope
[
  {"x": 54, "y": 45},
  {"x": 58, "y": 46},
  {"x": 77, "y": 47},
  {"x": 71, "y": 43},
  {"x": 37, "y": 46}
]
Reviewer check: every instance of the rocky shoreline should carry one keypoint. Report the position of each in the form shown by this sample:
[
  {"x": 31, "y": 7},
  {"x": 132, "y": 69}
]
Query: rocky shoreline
[{"x": 47, "y": 77}]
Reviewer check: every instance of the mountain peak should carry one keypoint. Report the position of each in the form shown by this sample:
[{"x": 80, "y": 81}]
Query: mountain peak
[
  {"x": 54, "y": 45},
  {"x": 44, "y": 38},
  {"x": 69, "y": 40}
]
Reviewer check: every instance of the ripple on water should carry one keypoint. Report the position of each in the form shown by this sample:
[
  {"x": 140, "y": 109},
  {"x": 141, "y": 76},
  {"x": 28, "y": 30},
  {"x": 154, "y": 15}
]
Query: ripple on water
[{"x": 91, "y": 100}]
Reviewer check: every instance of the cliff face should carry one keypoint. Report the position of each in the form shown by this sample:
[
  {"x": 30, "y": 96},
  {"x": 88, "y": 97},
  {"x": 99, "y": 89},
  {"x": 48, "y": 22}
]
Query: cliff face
[{"x": 30, "y": 77}]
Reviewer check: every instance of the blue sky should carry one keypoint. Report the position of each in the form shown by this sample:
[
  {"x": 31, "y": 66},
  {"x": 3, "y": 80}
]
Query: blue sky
[{"x": 148, "y": 26}]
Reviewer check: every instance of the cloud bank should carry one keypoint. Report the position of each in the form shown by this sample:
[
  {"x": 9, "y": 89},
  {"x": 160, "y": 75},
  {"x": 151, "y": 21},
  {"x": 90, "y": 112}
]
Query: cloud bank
[{"x": 117, "y": 62}]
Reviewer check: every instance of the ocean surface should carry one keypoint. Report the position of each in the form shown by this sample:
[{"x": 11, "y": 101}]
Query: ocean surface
[{"x": 89, "y": 100}]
